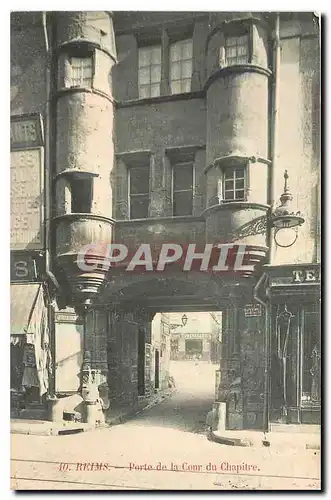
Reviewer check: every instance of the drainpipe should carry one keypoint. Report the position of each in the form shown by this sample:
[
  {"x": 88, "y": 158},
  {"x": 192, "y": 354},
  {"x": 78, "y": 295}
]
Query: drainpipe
[
  {"x": 53, "y": 412},
  {"x": 266, "y": 350},
  {"x": 274, "y": 126},
  {"x": 48, "y": 157}
]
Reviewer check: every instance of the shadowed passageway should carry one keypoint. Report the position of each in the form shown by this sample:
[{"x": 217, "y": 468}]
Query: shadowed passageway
[{"x": 188, "y": 407}]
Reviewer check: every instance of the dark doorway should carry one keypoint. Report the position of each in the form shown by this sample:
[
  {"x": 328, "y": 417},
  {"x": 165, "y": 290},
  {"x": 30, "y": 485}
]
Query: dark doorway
[
  {"x": 141, "y": 362},
  {"x": 157, "y": 369}
]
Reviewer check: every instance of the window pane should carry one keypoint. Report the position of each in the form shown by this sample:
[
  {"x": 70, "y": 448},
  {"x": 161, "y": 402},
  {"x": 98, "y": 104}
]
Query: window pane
[
  {"x": 144, "y": 57},
  {"x": 155, "y": 90},
  {"x": 231, "y": 52},
  {"x": 242, "y": 60},
  {"x": 183, "y": 203},
  {"x": 175, "y": 73},
  {"x": 156, "y": 55},
  {"x": 228, "y": 174},
  {"x": 149, "y": 71},
  {"x": 243, "y": 40},
  {"x": 236, "y": 50},
  {"x": 144, "y": 92},
  {"x": 240, "y": 184},
  {"x": 242, "y": 50},
  {"x": 230, "y": 41},
  {"x": 176, "y": 87},
  {"x": 186, "y": 85},
  {"x": 187, "y": 50},
  {"x": 144, "y": 75},
  {"x": 229, "y": 195},
  {"x": 183, "y": 177},
  {"x": 81, "y": 72},
  {"x": 240, "y": 195},
  {"x": 139, "y": 180},
  {"x": 228, "y": 184},
  {"x": 181, "y": 66},
  {"x": 187, "y": 69},
  {"x": 239, "y": 172},
  {"x": 139, "y": 207},
  {"x": 175, "y": 52},
  {"x": 155, "y": 74}
]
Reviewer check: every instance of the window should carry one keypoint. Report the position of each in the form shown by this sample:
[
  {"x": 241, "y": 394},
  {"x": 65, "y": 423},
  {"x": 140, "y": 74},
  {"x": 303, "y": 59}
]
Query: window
[
  {"x": 149, "y": 71},
  {"x": 181, "y": 66},
  {"x": 81, "y": 71},
  {"x": 183, "y": 189},
  {"x": 139, "y": 192},
  {"x": 234, "y": 184},
  {"x": 236, "y": 50},
  {"x": 311, "y": 357},
  {"x": 81, "y": 195}
]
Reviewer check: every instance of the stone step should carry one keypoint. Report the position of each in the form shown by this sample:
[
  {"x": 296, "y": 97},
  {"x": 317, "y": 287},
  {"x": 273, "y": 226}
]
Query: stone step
[{"x": 33, "y": 413}]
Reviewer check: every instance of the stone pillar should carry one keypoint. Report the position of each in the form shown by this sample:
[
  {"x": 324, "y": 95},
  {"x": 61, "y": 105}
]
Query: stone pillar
[{"x": 95, "y": 367}]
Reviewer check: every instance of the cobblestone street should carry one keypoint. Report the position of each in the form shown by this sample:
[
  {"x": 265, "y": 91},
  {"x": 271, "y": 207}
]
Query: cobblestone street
[{"x": 163, "y": 448}]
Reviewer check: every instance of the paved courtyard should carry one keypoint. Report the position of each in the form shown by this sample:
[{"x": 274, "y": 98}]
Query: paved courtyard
[{"x": 163, "y": 448}]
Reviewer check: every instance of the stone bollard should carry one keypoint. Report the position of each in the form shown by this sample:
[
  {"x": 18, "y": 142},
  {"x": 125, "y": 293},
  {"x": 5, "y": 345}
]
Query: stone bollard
[{"x": 54, "y": 410}]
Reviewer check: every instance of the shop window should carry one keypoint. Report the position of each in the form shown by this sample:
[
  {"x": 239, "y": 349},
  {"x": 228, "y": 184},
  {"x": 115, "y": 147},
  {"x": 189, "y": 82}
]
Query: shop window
[
  {"x": 183, "y": 182},
  {"x": 81, "y": 195},
  {"x": 311, "y": 358},
  {"x": 234, "y": 184},
  {"x": 180, "y": 66},
  {"x": 149, "y": 75},
  {"x": 193, "y": 348},
  {"x": 139, "y": 192}
]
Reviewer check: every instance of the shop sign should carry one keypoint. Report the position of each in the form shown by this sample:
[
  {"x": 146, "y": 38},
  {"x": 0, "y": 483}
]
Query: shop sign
[
  {"x": 295, "y": 275},
  {"x": 62, "y": 317},
  {"x": 23, "y": 267},
  {"x": 306, "y": 276},
  {"x": 193, "y": 336},
  {"x": 26, "y": 131},
  {"x": 26, "y": 199},
  {"x": 253, "y": 310}
]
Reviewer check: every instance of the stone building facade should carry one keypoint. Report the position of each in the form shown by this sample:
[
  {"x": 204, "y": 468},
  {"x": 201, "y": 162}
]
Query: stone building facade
[
  {"x": 198, "y": 339},
  {"x": 150, "y": 127}
]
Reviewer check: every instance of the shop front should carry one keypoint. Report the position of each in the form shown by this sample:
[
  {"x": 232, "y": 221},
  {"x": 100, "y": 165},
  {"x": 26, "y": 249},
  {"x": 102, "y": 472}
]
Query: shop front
[
  {"x": 191, "y": 346},
  {"x": 293, "y": 295},
  {"x": 30, "y": 355}
]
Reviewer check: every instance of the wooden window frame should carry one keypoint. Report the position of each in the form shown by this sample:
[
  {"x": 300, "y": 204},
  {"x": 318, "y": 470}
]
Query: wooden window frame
[
  {"x": 173, "y": 191},
  {"x": 181, "y": 61},
  {"x": 165, "y": 38},
  {"x": 79, "y": 53},
  {"x": 236, "y": 29},
  {"x": 137, "y": 195},
  {"x": 222, "y": 191},
  {"x": 151, "y": 45}
]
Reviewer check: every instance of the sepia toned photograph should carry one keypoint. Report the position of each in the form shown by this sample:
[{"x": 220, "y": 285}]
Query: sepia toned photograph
[{"x": 165, "y": 250}]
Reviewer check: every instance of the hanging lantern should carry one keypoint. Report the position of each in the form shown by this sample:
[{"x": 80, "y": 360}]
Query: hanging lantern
[
  {"x": 184, "y": 319},
  {"x": 285, "y": 220}
]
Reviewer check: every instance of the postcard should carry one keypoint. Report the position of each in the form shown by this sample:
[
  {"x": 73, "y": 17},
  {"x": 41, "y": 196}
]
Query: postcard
[{"x": 165, "y": 289}]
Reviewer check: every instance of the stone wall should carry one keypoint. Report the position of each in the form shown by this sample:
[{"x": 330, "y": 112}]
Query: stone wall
[{"x": 242, "y": 368}]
